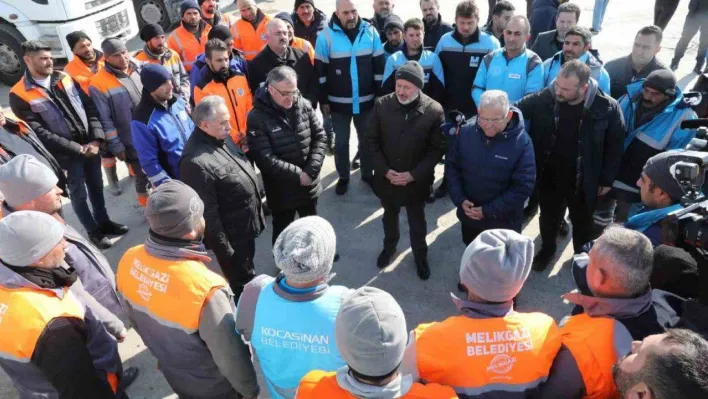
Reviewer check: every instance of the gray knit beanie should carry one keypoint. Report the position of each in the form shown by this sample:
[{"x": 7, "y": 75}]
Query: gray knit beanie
[
  {"x": 412, "y": 72},
  {"x": 496, "y": 264},
  {"x": 27, "y": 236},
  {"x": 174, "y": 209},
  {"x": 25, "y": 178},
  {"x": 658, "y": 169},
  {"x": 371, "y": 332},
  {"x": 112, "y": 45},
  {"x": 305, "y": 250}
]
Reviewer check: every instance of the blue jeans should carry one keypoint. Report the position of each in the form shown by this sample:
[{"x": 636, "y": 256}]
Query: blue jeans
[
  {"x": 85, "y": 173},
  {"x": 598, "y": 14},
  {"x": 342, "y": 128}
]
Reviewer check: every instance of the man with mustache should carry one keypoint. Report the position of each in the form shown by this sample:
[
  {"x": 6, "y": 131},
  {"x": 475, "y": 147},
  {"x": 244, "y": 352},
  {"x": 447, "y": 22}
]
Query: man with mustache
[
  {"x": 669, "y": 365},
  {"x": 190, "y": 37},
  {"x": 653, "y": 110},
  {"x": 308, "y": 20},
  {"x": 435, "y": 27},
  {"x": 383, "y": 9},
  {"x": 577, "y": 46},
  {"x": 156, "y": 51},
  {"x": 212, "y": 16}
]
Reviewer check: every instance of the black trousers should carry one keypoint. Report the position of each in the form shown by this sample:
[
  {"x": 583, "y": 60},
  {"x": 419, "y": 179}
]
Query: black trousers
[
  {"x": 556, "y": 189},
  {"x": 469, "y": 233},
  {"x": 282, "y": 219},
  {"x": 695, "y": 21},
  {"x": 417, "y": 227},
  {"x": 663, "y": 12},
  {"x": 239, "y": 269}
]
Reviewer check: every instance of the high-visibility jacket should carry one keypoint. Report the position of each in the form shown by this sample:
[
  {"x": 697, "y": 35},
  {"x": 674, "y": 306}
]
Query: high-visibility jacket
[
  {"x": 596, "y": 343},
  {"x": 166, "y": 298},
  {"x": 187, "y": 45},
  {"x": 503, "y": 355},
  {"x": 249, "y": 40},
  {"x": 304, "y": 45},
  {"x": 170, "y": 60},
  {"x": 321, "y": 384},
  {"x": 238, "y": 99},
  {"x": 220, "y": 18},
  {"x": 25, "y": 312},
  {"x": 81, "y": 72}
]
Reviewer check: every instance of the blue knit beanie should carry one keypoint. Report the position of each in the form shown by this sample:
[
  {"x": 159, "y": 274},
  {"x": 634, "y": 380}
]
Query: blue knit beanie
[
  {"x": 153, "y": 76},
  {"x": 187, "y": 5}
]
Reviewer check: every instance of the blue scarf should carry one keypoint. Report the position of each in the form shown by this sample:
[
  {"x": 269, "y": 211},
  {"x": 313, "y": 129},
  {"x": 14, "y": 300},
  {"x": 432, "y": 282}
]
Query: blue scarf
[{"x": 643, "y": 220}]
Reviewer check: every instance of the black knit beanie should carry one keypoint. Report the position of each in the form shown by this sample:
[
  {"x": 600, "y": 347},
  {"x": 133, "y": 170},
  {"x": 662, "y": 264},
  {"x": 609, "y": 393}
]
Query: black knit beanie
[
  {"x": 661, "y": 80},
  {"x": 658, "y": 169},
  {"x": 220, "y": 32},
  {"x": 150, "y": 31},
  {"x": 412, "y": 72},
  {"x": 298, "y": 3},
  {"x": 75, "y": 37}
]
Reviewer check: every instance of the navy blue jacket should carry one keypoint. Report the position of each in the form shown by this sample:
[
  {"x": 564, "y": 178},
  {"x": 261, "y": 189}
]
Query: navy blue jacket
[
  {"x": 543, "y": 17},
  {"x": 435, "y": 31},
  {"x": 496, "y": 173}
]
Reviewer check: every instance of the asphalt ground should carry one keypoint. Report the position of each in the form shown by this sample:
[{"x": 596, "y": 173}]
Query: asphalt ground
[{"x": 356, "y": 216}]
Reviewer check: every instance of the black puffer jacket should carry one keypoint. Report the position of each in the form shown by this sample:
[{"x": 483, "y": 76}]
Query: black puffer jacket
[{"x": 284, "y": 144}]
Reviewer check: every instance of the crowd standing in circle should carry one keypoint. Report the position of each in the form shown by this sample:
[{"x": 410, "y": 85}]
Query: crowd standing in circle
[{"x": 526, "y": 115}]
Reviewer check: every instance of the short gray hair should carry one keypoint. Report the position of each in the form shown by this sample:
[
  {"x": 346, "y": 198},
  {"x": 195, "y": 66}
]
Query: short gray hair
[
  {"x": 437, "y": 5},
  {"x": 495, "y": 99},
  {"x": 274, "y": 22},
  {"x": 206, "y": 109},
  {"x": 281, "y": 73},
  {"x": 523, "y": 20},
  {"x": 628, "y": 256}
]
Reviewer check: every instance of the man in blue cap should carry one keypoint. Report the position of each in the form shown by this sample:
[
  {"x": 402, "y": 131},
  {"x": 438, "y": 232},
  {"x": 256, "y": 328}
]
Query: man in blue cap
[{"x": 160, "y": 126}]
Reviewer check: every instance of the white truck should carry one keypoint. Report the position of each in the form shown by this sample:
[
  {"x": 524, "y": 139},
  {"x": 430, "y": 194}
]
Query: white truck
[
  {"x": 51, "y": 20},
  {"x": 164, "y": 12}
]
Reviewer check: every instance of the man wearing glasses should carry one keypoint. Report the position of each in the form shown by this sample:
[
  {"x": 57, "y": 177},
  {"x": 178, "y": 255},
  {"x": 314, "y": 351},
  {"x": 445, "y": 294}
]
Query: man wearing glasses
[
  {"x": 287, "y": 142},
  {"x": 490, "y": 168}
]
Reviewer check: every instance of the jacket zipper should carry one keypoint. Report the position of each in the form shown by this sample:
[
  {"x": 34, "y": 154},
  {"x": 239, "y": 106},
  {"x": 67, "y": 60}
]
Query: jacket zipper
[{"x": 234, "y": 104}]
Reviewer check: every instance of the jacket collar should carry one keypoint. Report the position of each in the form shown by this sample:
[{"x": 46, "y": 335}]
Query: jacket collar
[
  {"x": 30, "y": 83},
  {"x": 154, "y": 56},
  {"x": 590, "y": 95},
  {"x": 474, "y": 38},
  {"x": 12, "y": 280},
  {"x": 398, "y": 388},
  {"x": 430, "y": 26},
  {"x": 305, "y": 296},
  {"x": 514, "y": 128},
  {"x": 617, "y": 308},
  {"x": 147, "y": 97},
  {"x": 132, "y": 68},
  {"x": 336, "y": 24},
  {"x": 634, "y": 91},
  {"x": 476, "y": 310},
  {"x": 204, "y": 137},
  {"x": 175, "y": 249}
]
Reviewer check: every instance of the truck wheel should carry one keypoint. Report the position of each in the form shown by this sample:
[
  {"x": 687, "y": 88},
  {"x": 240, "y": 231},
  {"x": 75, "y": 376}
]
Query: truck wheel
[
  {"x": 152, "y": 12},
  {"x": 11, "y": 64}
]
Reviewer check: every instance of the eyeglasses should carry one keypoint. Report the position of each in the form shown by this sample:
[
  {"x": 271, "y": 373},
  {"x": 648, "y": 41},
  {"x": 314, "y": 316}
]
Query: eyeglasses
[
  {"x": 485, "y": 120},
  {"x": 293, "y": 94}
]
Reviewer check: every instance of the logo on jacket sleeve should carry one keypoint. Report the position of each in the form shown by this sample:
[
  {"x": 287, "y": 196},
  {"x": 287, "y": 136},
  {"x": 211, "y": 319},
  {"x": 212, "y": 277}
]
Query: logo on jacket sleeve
[{"x": 239, "y": 91}]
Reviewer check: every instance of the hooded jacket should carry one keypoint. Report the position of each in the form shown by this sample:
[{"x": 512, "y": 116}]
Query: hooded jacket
[
  {"x": 552, "y": 66},
  {"x": 495, "y": 173},
  {"x": 543, "y": 17},
  {"x": 309, "y": 33},
  {"x": 159, "y": 135},
  {"x": 601, "y": 136},
  {"x": 170, "y": 60},
  {"x": 662, "y": 133},
  {"x": 285, "y": 143},
  {"x": 349, "y": 70},
  {"x": 434, "y": 31}
]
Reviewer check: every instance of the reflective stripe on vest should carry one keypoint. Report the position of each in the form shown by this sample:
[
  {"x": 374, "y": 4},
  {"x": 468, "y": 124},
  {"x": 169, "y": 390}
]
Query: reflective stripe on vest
[
  {"x": 81, "y": 72},
  {"x": 187, "y": 46},
  {"x": 250, "y": 41},
  {"x": 25, "y": 313},
  {"x": 170, "y": 292},
  {"x": 661, "y": 145},
  {"x": 321, "y": 384},
  {"x": 596, "y": 343},
  {"x": 239, "y": 101},
  {"x": 477, "y": 356}
]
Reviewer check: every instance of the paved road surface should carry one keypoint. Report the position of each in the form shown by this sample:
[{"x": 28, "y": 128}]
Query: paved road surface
[{"x": 357, "y": 215}]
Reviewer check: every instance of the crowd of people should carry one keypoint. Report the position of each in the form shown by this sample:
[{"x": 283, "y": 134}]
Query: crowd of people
[{"x": 228, "y": 120}]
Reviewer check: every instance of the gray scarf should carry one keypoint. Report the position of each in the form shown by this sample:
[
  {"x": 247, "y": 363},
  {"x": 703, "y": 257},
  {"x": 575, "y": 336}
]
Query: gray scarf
[{"x": 394, "y": 389}]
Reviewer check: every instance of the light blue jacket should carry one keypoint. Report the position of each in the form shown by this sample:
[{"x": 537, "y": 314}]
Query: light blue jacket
[
  {"x": 290, "y": 330},
  {"x": 552, "y": 66},
  {"x": 518, "y": 76}
]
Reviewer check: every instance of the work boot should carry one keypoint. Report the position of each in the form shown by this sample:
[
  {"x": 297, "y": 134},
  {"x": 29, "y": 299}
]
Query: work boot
[
  {"x": 342, "y": 186},
  {"x": 113, "y": 182},
  {"x": 99, "y": 240},
  {"x": 698, "y": 67},
  {"x": 385, "y": 257},
  {"x": 441, "y": 191},
  {"x": 356, "y": 164},
  {"x": 129, "y": 376},
  {"x": 543, "y": 258},
  {"x": 422, "y": 268},
  {"x": 675, "y": 64},
  {"x": 431, "y": 196},
  {"x": 112, "y": 228}
]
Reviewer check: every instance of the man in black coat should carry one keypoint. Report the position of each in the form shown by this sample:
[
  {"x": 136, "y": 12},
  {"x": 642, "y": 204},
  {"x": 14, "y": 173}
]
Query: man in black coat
[
  {"x": 547, "y": 44},
  {"x": 578, "y": 136},
  {"x": 308, "y": 20},
  {"x": 278, "y": 52},
  {"x": 287, "y": 141},
  {"x": 227, "y": 184},
  {"x": 435, "y": 27},
  {"x": 406, "y": 143}
]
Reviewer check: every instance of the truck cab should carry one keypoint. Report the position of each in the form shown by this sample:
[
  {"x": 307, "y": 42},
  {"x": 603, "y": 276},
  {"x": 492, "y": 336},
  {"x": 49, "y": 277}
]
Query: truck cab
[
  {"x": 164, "y": 12},
  {"x": 51, "y": 20}
]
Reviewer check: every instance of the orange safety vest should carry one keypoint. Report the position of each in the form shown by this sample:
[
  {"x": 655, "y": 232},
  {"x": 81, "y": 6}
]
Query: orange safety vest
[
  {"x": 250, "y": 41},
  {"x": 591, "y": 341},
  {"x": 476, "y": 356},
  {"x": 168, "y": 63},
  {"x": 171, "y": 292},
  {"x": 225, "y": 19},
  {"x": 322, "y": 384},
  {"x": 304, "y": 45},
  {"x": 239, "y": 100},
  {"x": 81, "y": 72},
  {"x": 187, "y": 45}
]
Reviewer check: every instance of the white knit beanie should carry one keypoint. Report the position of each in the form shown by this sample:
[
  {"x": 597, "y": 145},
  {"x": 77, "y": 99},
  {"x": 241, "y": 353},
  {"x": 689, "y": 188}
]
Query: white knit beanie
[
  {"x": 27, "y": 236},
  {"x": 305, "y": 250}
]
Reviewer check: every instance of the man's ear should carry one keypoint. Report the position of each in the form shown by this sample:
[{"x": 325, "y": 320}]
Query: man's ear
[
  {"x": 509, "y": 114},
  {"x": 639, "y": 391}
]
